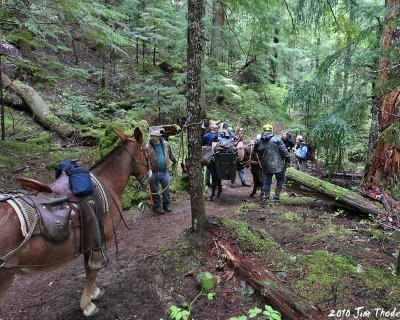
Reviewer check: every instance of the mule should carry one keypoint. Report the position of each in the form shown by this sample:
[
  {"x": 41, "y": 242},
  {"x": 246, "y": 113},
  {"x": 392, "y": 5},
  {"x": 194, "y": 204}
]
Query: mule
[
  {"x": 39, "y": 255},
  {"x": 207, "y": 159},
  {"x": 251, "y": 159}
]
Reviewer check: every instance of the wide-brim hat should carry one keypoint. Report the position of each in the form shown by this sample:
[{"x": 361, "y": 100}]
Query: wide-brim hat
[{"x": 154, "y": 131}]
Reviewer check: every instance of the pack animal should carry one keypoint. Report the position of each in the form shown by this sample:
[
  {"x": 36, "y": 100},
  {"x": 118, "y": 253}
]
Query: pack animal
[
  {"x": 41, "y": 255},
  {"x": 221, "y": 160}
]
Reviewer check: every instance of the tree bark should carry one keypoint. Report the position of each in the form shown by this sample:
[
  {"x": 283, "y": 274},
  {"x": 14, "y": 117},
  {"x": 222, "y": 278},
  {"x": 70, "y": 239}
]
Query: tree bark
[
  {"x": 385, "y": 163},
  {"x": 288, "y": 303},
  {"x": 2, "y": 114},
  {"x": 329, "y": 192},
  {"x": 195, "y": 58},
  {"x": 42, "y": 113}
]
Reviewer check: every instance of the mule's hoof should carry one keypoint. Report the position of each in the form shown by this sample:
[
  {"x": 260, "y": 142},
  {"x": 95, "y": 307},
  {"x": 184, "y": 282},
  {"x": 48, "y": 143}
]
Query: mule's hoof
[
  {"x": 91, "y": 310},
  {"x": 98, "y": 294}
]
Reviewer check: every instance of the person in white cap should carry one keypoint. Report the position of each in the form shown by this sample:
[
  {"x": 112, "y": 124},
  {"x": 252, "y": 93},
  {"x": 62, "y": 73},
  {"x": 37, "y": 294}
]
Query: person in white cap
[
  {"x": 300, "y": 152},
  {"x": 160, "y": 155}
]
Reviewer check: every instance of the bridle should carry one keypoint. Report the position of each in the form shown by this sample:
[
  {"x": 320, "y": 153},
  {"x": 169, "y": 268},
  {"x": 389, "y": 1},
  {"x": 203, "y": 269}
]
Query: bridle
[{"x": 135, "y": 162}]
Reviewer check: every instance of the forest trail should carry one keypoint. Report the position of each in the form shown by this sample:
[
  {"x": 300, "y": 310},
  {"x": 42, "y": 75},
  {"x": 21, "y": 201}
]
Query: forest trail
[{"x": 127, "y": 281}]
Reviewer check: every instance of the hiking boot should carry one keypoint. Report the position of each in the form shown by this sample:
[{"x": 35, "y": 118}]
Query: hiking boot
[
  {"x": 266, "y": 196},
  {"x": 277, "y": 193},
  {"x": 245, "y": 184},
  {"x": 233, "y": 184},
  {"x": 158, "y": 210},
  {"x": 167, "y": 208}
]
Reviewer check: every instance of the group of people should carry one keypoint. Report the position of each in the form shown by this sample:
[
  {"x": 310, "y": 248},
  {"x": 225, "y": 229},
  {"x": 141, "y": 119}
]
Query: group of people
[
  {"x": 225, "y": 132},
  {"x": 274, "y": 155}
]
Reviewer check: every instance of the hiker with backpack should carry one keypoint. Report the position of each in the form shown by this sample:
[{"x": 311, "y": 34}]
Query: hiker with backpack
[
  {"x": 300, "y": 152},
  {"x": 275, "y": 158}
]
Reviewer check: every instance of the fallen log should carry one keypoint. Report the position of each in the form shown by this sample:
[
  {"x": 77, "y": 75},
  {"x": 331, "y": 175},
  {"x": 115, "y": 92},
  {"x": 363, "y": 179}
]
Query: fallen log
[
  {"x": 42, "y": 113},
  {"x": 278, "y": 296},
  {"x": 329, "y": 192}
]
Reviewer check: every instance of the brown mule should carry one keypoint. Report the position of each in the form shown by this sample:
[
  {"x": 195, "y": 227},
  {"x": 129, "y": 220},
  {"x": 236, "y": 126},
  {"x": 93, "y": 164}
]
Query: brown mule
[{"x": 39, "y": 255}]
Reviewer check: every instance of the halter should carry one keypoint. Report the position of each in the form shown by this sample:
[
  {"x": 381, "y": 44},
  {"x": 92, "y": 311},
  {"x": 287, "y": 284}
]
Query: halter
[{"x": 147, "y": 165}]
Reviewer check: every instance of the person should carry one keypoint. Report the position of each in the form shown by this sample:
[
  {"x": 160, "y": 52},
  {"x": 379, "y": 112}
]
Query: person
[
  {"x": 300, "y": 153},
  {"x": 274, "y": 157},
  {"x": 160, "y": 155},
  {"x": 240, "y": 165},
  {"x": 211, "y": 136},
  {"x": 287, "y": 140},
  {"x": 208, "y": 139}
]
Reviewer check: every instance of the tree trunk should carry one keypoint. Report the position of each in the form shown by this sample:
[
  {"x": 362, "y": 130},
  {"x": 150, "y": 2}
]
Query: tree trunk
[
  {"x": 288, "y": 303},
  {"x": 218, "y": 23},
  {"x": 2, "y": 115},
  {"x": 42, "y": 113},
  {"x": 274, "y": 60},
  {"x": 329, "y": 192},
  {"x": 195, "y": 58},
  {"x": 385, "y": 163}
]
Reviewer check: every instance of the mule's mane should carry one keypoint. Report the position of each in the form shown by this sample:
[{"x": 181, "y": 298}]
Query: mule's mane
[{"x": 110, "y": 156}]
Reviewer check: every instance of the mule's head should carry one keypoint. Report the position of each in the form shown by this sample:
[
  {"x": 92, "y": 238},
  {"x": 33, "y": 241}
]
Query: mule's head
[{"x": 137, "y": 151}]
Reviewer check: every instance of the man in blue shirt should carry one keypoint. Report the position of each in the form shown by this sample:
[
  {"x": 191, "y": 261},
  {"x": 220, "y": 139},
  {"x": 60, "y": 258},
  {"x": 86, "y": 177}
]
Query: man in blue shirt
[
  {"x": 300, "y": 152},
  {"x": 160, "y": 155}
]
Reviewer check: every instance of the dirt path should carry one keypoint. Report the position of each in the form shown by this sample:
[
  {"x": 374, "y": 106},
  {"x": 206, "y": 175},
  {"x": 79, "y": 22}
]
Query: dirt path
[{"x": 129, "y": 293}]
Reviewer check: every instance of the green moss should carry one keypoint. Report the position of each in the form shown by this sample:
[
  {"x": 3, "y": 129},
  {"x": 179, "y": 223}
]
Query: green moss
[
  {"x": 322, "y": 271},
  {"x": 266, "y": 244},
  {"x": 246, "y": 207},
  {"x": 206, "y": 281},
  {"x": 292, "y": 217},
  {"x": 42, "y": 139},
  {"x": 328, "y": 231}
]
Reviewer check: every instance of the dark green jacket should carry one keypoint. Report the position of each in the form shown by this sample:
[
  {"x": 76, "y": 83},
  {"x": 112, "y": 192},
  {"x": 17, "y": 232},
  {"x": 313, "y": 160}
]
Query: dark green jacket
[{"x": 272, "y": 152}]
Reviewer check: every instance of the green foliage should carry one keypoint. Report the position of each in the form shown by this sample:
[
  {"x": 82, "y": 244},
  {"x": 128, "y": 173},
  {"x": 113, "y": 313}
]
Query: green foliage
[
  {"x": 331, "y": 136},
  {"x": 257, "y": 313},
  {"x": 206, "y": 281},
  {"x": 177, "y": 313},
  {"x": 76, "y": 108}
]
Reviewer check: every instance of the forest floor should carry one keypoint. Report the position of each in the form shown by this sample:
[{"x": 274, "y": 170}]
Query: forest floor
[
  {"x": 337, "y": 260},
  {"x": 332, "y": 261}
]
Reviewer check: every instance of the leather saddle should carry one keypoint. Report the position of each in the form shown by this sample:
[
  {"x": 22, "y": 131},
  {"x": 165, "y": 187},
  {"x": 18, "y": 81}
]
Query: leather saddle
[
  {"x": 55, "y": 214},
  {"x": 60, "y": 187}
]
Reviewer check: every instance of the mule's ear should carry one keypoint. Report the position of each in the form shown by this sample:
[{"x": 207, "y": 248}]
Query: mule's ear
[
  {"x": 120, "y": 134},
  {"x": 138, "y": 135}
]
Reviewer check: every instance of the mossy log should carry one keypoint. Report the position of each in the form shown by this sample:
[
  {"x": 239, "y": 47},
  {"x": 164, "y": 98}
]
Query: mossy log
[
  {"x": 278, "y": 296},
  {"x": 336, "y": 195},
  {"x": 42, "y": 113}
]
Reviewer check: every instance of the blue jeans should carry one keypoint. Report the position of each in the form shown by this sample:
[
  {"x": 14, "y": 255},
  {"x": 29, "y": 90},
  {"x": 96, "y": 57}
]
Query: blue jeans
[
  {"x": 156, "y": 179},
  {"x": 242, "y": 176},
  {"x": 267, "y": 180},
  {"x": 208, "y": 174}
]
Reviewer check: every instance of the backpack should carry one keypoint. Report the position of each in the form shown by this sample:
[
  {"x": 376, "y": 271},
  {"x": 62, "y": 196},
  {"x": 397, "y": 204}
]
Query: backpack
[
  {"x": 80, "y": 181},
  {"x": 310, "y": 156}
]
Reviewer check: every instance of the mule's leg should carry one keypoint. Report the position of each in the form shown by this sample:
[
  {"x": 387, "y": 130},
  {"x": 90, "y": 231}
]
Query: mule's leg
[
  {"x": 214, "y": 183},
  {"x": 6, "y": 280},
  {"x": 87, "y": 306},
  {"x": 97, "y": 293},
  {"x": 219, "y": 188}
]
